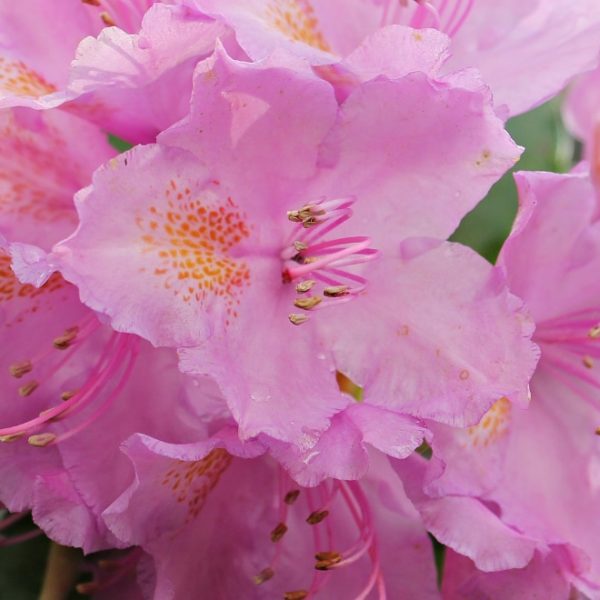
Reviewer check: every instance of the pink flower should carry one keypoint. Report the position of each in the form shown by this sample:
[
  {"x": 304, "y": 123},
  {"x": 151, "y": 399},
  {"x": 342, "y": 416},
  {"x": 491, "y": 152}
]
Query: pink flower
[
  {"x": 72, "y": 388},
  {"x": 268, "y": 180},
  {"x": 134, "y": 79},
  {"x": 510, "y": 42},
  {"x": 533, "y": 474},
  {"x": 213, "y": 518}
]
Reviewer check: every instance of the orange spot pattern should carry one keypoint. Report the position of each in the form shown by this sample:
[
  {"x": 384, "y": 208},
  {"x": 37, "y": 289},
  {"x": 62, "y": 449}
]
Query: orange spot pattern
[
  {"x": 35, "y": 179},
  {"x": 493, "y": 425},
  {"x": 296, "y": 19},
  {"x": 17, "y": 78},
  {"x": 192, "y": 482},
  {"x": 192, "y": 239}
]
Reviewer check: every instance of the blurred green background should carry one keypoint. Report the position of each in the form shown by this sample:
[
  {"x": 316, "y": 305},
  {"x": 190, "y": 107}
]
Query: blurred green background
[{"x": 548, "y": 148}]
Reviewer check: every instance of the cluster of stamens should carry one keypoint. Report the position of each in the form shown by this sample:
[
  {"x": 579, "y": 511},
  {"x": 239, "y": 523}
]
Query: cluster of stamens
[
  {"x": 319, "y": 267},
  {"x": 104, "y": 382},
  {"x": 446, "y": 15},
  {"x": 322, "y": 502}
]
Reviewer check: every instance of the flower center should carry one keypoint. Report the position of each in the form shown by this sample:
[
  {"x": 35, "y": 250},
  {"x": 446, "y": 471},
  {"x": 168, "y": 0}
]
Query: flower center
[
  {"x": 321, "y": 268},
  {"x": 446, "y": 15}
]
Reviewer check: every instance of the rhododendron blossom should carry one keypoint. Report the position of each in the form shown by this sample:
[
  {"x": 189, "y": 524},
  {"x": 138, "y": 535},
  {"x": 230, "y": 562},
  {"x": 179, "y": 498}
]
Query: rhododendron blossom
[{"x": 288, "y": 222}]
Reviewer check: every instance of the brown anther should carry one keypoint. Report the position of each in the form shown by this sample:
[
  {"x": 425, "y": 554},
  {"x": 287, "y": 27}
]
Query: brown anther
[
  {"x": 588, "y": 362},
  {"x": 316, "y": 517},
  {"x": 597, "y": 431},
  {"x": 41, "y": 439},
  {"x": 307, "y": 303},
  {"x": 296, "y": 319},
  {"x": 309, "y": 222},
  {"x": 299, "y": 246},
  {"x": 335, "y": 291},
  {"x": 264, "y": 575},
  {"x": 92, "y": 2},
  {"x": 278, "y": 532},
  {"x": 291, "y": 496},
  {"x": 294, "y": 215},
  {"x": 87, "y": 588},
  {"x": 107, "y": 19},
  {"x": 64, "y": 341},
  {"x": 295, "y": 595},
  {"x": 10, "y": 438},
  {"x": 20, "y": 368},
  {"x": 327, "y": 555},
  {"x": 330, "y": 560},
  {"x": 305, "y": 286},
  {"x": 594, "y": 332},
  {"x": 28, "y": 388},
  {"x": 67, "y": 395}
]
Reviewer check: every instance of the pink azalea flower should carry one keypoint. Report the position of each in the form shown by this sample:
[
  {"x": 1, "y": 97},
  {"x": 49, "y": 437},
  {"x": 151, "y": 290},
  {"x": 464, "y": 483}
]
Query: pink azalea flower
[
  {"x": 213, "y": 518},
  {"x": 72, "y": 388},
  {"x": 510, "y": 42},
  {"x": 533, "y": 474},
  {"x": 272, "y": 241},
  {"x": 581, "y": 112},
  {"x": 134, "y": 79}
]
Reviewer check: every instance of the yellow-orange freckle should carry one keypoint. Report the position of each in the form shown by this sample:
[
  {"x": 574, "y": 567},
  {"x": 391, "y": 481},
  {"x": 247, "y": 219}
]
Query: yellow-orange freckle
[
  {"x": 404, "y": 330},
  {"x": 296, "y": 19},
  {"x": 17, "y": 78},
  {"x": 464, "y": 374}
]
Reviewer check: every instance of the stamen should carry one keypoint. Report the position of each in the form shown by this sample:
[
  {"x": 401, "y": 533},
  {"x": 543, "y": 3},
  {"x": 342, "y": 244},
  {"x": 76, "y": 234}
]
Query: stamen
[
  {"x": 65, "y": 340},
  {"x": 291, "y": 497},
  {"x": 305, "y": 286},
  {"x": 28, "y": 388},
  {"x": 295, "y": 595},
  {"x": 307, "y": 303},
  {"x": 41, "y": 439},
  {"x": 588, "y": 362},
  {"x": 92, "y": 2},
  {"x": 279, "y": 531},
  {"x": 264, "y": 575},
  {"x": 10, "y": 438},
  {"x": 336, "y": 291},
  {"x": 65, "y": 396},
  {"x": 316, "y": 517},
  {"x": 594, "y": 332},
  {"x": 108, "y": 21},
  {"x": 297, "y": 319},
  {"x": 327, "y": 560},
  {"x": 20, "y": 368}
]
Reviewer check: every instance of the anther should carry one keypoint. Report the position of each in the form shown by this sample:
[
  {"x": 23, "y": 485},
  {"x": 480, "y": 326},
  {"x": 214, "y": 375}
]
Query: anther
[
  {"x": 299, "y": 246},
  {"x": 297, "y": 319},
  {"x": 594, "y": 332},
  {"x": 264, "y": 575},
  {"x": 41, "y": 439},
  {"x": 28, "y": 388},
  {"x": 107, "y": 19},
  {"x": 335, "y": 291},
  {"x": 62, "y": 342},
  {"x": 307, "y": 303},
  {"x": 305, "y": 286},
  {"x": 588, "y": 362},
  {"x": 597, "y": 432},
  {"x": 67, "y": 395},
  {"x": 278, "y": 532},
  {"x": 291, "y": 497},
  {"x": 330, "y": 560},
  {"x": 316, "y": 517},
  {"x": 20, "y": 368},
  {"x": 92, "y": 2},
  {"x": 295, "y": 595},
  {"x": 10, "y": 438}
]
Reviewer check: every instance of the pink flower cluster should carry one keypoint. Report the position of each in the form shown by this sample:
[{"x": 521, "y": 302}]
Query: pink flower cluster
[{"x": 243, "y": 354}]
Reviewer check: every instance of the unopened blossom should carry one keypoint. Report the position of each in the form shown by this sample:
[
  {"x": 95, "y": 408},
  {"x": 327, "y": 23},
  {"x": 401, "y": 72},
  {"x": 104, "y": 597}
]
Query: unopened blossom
[
  {"x": 532, "y": 475},
  {"x": 581, "y": 112},
  {"x": 217, "y": 516},
  {"x": 511, "y": 43},
  {"x": 72, "y": 388},
  {"x": 277, "y": 240},
  {"x": 126, "y": 66}
]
